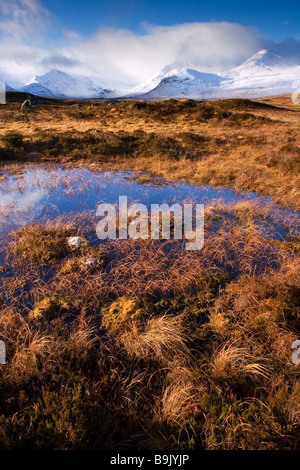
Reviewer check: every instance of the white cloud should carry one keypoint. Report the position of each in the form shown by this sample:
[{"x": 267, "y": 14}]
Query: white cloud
[
  {"x": 120, "y": 56},
  {"x": 23, "y": 19},
  {"x": 121, "y": 53}
]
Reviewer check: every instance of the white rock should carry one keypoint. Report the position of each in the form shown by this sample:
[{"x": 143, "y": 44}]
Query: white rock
[
  {"x": 76, "y": 242},
  {"x": 90, "y": 262}
]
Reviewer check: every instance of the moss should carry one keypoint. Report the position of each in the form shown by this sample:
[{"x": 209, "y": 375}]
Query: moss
[
  {"x": 49, "y": 308},
  {"x": 219, "y": 323},
  {"x": 46, "y": 308},
  {"x": 119, "y": 313},
  {"x": 211, "y": 403},
  {"x": 39, "y": 243},
  {"x": 92, "y": 262}
]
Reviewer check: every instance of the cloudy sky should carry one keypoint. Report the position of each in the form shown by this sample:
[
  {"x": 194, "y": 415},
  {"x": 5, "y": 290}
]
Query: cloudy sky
[{"x": 126, "y": 42}]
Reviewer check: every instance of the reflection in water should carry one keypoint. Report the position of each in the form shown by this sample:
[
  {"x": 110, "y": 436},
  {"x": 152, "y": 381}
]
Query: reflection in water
[
  {"x": 47, "y": 191},
  {"x": 20, "y": 209}
]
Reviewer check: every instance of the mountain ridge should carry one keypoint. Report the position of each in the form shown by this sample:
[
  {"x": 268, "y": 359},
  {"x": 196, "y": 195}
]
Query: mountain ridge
[
  {"x": 264, "y": 73},
  {"x": 59, "y": 84}
]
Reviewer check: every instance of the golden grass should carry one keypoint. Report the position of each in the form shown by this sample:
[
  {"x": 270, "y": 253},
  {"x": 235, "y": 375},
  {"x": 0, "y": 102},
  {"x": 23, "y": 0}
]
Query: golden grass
[
  {"x": 157, "y": 347},
  {"x": 247, "y": 145},
  {"x": 236, "y": 362},
  {"x": 160, "y": 337}
]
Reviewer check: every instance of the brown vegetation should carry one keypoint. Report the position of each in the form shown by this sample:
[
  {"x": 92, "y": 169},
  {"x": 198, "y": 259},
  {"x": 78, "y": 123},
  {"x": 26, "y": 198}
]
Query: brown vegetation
[
  {"x": 247, "y": 145},
  {"x": 151, "y": 346},
  {"x": 156, "y": 348}
]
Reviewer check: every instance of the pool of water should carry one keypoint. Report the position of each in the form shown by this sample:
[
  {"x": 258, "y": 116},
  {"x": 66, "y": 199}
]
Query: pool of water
[{"x": 38, "y": 192}]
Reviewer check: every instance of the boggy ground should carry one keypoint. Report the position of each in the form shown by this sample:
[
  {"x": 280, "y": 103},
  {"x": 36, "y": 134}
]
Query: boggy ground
[
  {"x": 152, "y": 346},
  {"x": 247, "y": 145}
]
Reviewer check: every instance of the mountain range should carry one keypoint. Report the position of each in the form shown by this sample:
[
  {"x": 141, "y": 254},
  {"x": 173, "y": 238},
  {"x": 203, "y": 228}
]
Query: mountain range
[{"x": 265, "y": 73}]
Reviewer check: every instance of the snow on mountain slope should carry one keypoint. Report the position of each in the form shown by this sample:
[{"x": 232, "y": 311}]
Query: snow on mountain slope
[
  {"x": 57, "y": 84},
  {"x": 260, "y": 63},
  {"x": 265, "y": 73},
  {"x": 152, "y": 82},
  {"x": 4, "y": 86},
  {"x": 9, "y": 82},
  {"x": 8, "y": 88},
  {"x": 179, "y": 83}
]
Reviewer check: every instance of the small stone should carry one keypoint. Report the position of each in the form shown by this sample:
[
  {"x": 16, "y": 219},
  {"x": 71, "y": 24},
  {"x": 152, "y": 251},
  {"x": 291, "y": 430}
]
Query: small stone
[
  {"x": 94, "y": 262},
  {"x": 75, "y": 243}
]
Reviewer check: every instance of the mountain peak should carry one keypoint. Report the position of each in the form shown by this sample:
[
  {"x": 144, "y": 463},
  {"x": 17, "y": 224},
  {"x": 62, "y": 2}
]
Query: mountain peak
[
  {"x": 179, "y": 83},
  {"x": 264, "y": 58},
  {"x": 53, "y": 74},
  {"x": 58, "y": 84},
  {"x": 264, "y": 73},
  {"x": 262, "y": 53}
]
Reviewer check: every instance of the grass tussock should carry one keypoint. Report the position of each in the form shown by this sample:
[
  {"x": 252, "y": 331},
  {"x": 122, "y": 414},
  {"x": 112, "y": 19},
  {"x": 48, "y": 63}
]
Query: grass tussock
[
  {"x": 160, "y": 337},
  {"x": 140, "y": 344},
  {"x": 44, "y": 243},
  {"x": 156, "y": 347},
  {"x": 40, "y": 245}
]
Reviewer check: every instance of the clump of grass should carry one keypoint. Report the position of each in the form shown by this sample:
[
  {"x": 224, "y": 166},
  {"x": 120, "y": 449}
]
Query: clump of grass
[
  {"x": 119, "y": 313},
  {"x": 181, "y": 400},
  {"x": 161, "y": 348},
  {"x": 236, "y": 363},
  {"x": 48, "y": 308},
  {"x": 41, "y": 244},
  {"x": 161, "y": 337}
]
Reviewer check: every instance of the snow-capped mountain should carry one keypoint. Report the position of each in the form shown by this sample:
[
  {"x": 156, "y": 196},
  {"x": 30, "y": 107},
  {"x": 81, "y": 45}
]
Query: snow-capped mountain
[
  {"x": 262, "y": 62},
  {"x": 8, "y": 88},
  {"x": 4, "y": 85},
  {"x": 179, "y": 83},
  {"x": 57, "y": 84},
  {"x": 265, "y": 73}
]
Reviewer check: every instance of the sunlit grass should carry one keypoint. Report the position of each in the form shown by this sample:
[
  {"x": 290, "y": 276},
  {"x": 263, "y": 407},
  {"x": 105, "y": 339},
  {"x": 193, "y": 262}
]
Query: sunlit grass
[{"x": 152, "y": 346}]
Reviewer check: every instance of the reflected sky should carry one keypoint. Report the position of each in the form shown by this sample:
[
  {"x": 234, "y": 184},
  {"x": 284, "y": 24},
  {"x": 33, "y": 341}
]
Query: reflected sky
[{"x": 47, "y": 191}]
